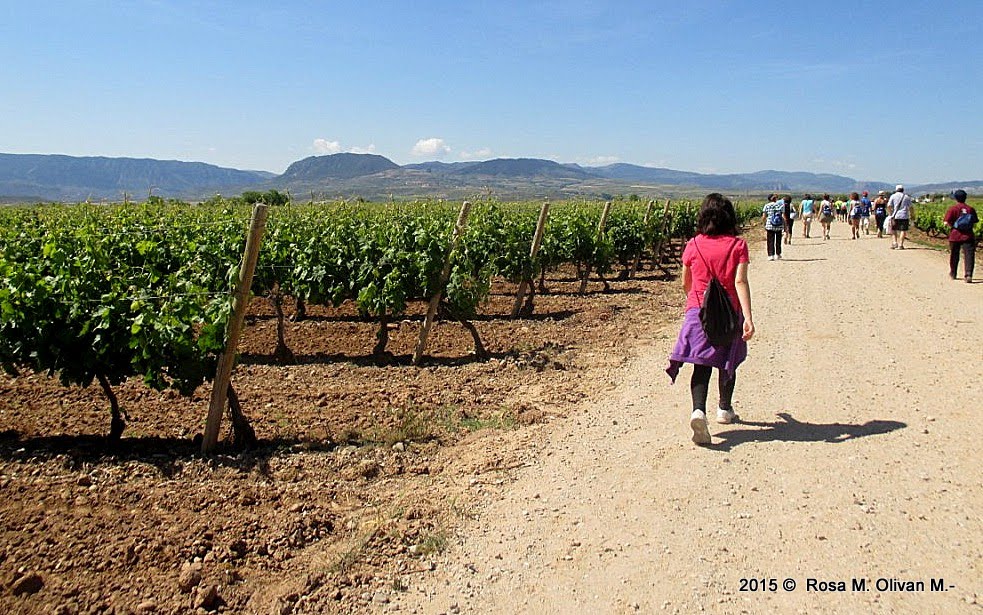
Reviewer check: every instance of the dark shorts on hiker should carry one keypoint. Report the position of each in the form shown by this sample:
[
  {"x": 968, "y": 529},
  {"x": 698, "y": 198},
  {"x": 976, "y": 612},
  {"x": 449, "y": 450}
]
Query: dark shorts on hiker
[{"x": 900, "y": 224}]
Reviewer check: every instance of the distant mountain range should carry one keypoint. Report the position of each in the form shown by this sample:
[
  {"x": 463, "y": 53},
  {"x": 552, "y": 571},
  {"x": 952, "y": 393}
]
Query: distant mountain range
[
  {"x": 39, "y": 177},
  {"x": 56, "y": 177}
]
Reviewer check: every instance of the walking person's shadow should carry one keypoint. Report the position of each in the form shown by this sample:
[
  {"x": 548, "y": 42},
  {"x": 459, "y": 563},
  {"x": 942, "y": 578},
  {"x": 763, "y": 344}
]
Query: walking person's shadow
[{"x": 791, "y": 430}]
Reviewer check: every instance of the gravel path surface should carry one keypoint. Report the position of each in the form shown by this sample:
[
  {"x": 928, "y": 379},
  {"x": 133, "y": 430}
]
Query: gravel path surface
[{"x": 856, "y": 461}]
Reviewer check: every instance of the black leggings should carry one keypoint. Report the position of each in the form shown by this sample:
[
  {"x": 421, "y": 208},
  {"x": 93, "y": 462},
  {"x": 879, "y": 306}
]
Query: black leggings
[
  {"x": 699, "y": 386},
  {"x": 774, "y": 242}
]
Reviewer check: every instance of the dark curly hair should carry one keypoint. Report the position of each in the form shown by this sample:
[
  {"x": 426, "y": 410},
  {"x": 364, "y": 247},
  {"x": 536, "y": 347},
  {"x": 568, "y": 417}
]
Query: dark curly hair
[{"x": 717, "y": 216}]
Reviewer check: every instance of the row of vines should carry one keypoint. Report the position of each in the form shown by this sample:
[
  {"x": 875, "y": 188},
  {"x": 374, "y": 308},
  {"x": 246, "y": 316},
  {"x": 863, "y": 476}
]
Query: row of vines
[
  {"x": 929, "y": 218},
  {"x": 105, "y": 293}
]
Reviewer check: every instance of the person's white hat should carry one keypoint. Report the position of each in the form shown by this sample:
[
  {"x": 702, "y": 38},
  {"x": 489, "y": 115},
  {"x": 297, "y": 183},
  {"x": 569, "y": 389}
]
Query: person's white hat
[{"x": 899, "y": 188}]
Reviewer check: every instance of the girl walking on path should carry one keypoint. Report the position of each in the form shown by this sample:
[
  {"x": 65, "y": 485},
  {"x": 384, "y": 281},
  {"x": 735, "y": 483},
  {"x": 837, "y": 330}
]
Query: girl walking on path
[
  {"x": 880, "y": 211},
  {"x": 791, "y": 213},
  {"x": 773, "y": 213},
  {"x": 854, "y": 206},
  {"x": 826, "y": 215},
  {"x": 806, "y": 212},
  {"x": 716, "y": 251},
  {"x": 962, "y": 219}
]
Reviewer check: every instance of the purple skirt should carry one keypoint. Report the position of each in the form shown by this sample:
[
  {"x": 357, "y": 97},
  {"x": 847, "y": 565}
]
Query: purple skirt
[{"x": 692, "y": 346}]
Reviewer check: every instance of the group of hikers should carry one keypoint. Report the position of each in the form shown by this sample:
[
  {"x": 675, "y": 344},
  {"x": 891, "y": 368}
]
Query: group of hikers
[
  {"x": 718, "y": 322},
  {"x": 892, "y": 216}
]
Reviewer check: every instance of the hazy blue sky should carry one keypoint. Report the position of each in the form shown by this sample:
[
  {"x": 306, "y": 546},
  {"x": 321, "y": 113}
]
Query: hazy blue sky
[{"x": 888, "y": 91}]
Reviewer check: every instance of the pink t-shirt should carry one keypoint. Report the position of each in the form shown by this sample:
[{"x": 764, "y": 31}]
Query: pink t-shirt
[{"x": 722, "y": 253}]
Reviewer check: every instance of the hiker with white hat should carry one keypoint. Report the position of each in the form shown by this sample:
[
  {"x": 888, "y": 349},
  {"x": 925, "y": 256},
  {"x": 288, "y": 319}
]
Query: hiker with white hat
[{"x": 900, "y": 211}]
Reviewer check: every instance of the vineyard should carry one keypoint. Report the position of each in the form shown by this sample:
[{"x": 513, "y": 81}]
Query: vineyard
[
  {"x": 121, "y": 313},
  {"x": 363, "y": 457},
  {"x": 929, "y": 218},
  {"x": 102, "y": 294}
]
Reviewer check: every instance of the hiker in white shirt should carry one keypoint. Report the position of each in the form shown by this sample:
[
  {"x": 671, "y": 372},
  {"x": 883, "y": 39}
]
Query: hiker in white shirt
[{"x": 901, "y": 211}]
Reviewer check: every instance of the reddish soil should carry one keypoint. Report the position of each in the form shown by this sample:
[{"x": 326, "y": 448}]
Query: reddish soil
[{"x": 353, "y": 485}]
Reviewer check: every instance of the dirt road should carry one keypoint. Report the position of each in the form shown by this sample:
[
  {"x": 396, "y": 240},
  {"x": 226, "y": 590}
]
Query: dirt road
[{"x": 857, "y": 462}]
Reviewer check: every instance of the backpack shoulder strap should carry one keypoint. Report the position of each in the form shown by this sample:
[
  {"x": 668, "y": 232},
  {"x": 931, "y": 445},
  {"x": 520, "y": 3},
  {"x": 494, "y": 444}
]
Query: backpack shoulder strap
[
  {"x": 696, "y": 245},
  {"x": 705, "y": 263}
]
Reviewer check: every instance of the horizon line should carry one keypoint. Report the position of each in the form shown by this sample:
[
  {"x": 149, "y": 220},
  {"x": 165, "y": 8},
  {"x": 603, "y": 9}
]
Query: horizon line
[{"x": 913, "y": 184}]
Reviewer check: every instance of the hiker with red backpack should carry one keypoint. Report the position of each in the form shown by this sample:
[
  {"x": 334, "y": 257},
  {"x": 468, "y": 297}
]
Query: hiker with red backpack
[{"x": 715, "y": 264}]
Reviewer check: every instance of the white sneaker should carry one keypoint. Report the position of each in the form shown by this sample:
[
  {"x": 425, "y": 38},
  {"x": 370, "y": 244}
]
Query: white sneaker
[
  {"x": 771, "y": 258},
  {"x": 698, "y": 421},
  {"x": 778, "y": 257},
  {"x": 726, "y": 416}
]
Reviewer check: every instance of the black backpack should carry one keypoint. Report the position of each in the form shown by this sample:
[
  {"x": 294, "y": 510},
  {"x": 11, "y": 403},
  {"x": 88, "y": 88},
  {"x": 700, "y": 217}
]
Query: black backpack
[{"x": 717, "y": 314}]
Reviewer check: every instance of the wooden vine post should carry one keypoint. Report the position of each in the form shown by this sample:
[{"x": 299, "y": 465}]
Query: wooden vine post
[
  {"x": 223, "y": 373},
  {"x": 597, "y": 239},
  {"x": 537, "y": 242},
  {"x": 666, "y": 218},
  {"x": 645, "y": 225},
  {"x": 445, "y": 274}
]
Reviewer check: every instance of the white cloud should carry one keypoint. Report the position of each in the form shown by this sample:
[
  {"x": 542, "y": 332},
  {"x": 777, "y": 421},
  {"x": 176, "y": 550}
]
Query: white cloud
[
  {"x": 600, "y": 161},
  {"x": 479, "y": 154},
  {"x": 323, "y": 146},
  {"x": 430, "y": 147}
]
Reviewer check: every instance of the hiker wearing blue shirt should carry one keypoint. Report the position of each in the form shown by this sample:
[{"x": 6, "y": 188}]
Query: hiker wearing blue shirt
[
  {"x": 865, "y": 206},
  {"x": 806, "y": 208}
]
